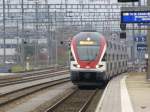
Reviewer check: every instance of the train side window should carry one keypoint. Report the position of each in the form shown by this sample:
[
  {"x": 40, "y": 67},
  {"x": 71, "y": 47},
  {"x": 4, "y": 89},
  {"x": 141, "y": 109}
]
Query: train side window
[
  {"x": 110, "y": 66},
  {"x": 113, "y": 57},
  {"x": 119, "y": 64},
  {"x": 107, "y": 56},
  {"x": 125, "y": 49},
  {"x": 110, "y": 45},
  {"x": 118, "y": 47},
  {"x": 107, "y": 66},
  {"x": 117, "y": 57},
  {"x": 115, "y": 47},
  {"x": 104, "y": 57},
  {"x": 107, "y": 44}
]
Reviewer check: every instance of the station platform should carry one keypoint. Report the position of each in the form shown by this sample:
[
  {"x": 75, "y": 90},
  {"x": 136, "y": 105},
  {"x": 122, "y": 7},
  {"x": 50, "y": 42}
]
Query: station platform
[{"x": 129, "y": 92}]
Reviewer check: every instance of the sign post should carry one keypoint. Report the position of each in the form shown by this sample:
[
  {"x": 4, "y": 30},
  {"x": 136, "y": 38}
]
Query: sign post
[{"x": 148, "y": 43}]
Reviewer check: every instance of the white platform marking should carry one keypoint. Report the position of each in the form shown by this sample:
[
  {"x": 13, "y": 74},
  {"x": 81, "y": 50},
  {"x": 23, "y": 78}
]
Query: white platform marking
[{"x": 125, "y": 98}]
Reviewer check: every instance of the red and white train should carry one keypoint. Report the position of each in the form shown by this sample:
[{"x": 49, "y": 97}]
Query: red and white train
[{"x": 95, "y": 59}]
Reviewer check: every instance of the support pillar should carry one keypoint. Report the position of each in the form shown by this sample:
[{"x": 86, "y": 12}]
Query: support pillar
[{"x": 148, "y": 43}]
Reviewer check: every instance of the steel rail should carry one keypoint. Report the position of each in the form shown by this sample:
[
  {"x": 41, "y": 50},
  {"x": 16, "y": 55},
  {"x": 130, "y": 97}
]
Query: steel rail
[
  {"x": 30, "y": 73},
  {"x": 32, "y": 78},
  {"x": 83, "y": 106}
]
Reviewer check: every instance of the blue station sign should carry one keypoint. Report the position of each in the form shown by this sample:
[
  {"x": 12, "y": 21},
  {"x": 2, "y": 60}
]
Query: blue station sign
[
  {"x": 141, "y": 47},
  {"x": 135, "y": 17},
  {"x": 140, "y": 38}
]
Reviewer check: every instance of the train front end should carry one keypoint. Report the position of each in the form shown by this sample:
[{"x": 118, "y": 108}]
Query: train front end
[{"x": 87, "y": 64}]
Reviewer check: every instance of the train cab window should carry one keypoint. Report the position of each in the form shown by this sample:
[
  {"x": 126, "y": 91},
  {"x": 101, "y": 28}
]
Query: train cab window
[{"x": 87, "y": 53}]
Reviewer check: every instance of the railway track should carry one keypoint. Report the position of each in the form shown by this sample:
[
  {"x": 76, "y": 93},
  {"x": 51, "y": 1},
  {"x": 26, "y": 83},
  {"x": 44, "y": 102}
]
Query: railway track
[
  {"x": 32, "y": 76},
  {"x": 76, "y": 101},
  {"x": 9, "y": 96},
  {"x": 32, "y": 73}
]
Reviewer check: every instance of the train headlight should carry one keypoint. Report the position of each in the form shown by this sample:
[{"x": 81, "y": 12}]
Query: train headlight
[
  {"x": 99, "y": 66},
  {"x": 76, "y": 65}
]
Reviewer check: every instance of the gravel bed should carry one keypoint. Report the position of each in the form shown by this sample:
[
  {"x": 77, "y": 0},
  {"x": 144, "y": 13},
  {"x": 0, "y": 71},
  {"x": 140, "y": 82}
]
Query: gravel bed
[
  {"x": 95, "y": 101},
  {"x": 24, "y": 79},
  {"x": 75, "y": 102},
  {"x": 4, "y": 99},
  {"x": 25, "y": 104},
  {"x": 49, "y": 103}
]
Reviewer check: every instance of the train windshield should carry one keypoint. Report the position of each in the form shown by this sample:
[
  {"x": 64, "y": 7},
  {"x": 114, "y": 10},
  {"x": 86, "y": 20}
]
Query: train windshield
[{"x": 88, "y": 53}]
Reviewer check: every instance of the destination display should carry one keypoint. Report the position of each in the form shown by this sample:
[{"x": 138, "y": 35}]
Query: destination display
[
  {"x": 87, "y": 42},
  {"x": 135, "y": 17}
]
